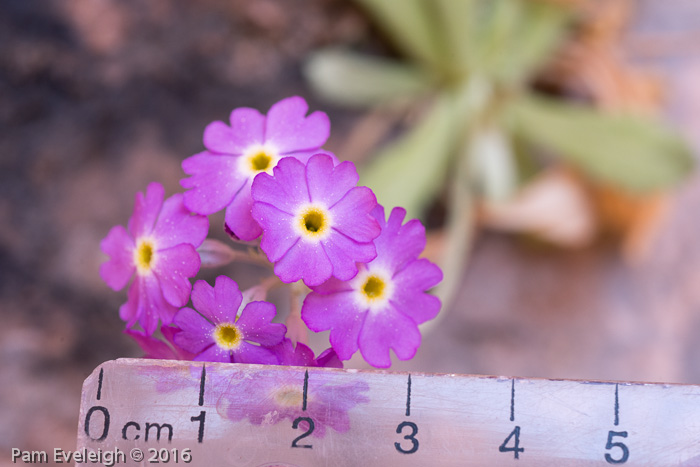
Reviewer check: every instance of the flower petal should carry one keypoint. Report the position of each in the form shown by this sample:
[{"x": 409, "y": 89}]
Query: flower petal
[
  {"x": 249, "y": 353},
  {"x": 327, "y": 183},
  {"x": 239, "y": 217},
  {"x": 351, "y": 215},
  {"x": 174, "y": 267},
  {"x": 152, "y": 347},
  {"x": 410, "y": 286},
  {"x": 304, "y": 156},
  {"x": 286, "y": 190},
  {"x": 247, "y": 128},
  {"x": 256, "y": 324},
  {"x": 219, "y": 304},
  {"x": 146, "y": 209},
  {"x": 399, "y": 244},
  {"x": 328, "y": 359},
  {"x": 214, "y": 181},
  {"x": 344, "y": 253},
  {"x": 176, "y": 224},
  {"x": 146, "y": 304},
  {"x": 289, "y": 130},
  {"x": 385, "y": 329},
  {"x": 306, "y": 261},
  {"x": 337, "y": 313},
  {"x": 214, "y": 354},
  {"x": 196, "y": 332},
  {"x": 119, "y": 246},
  {"x": 278, "y": 234}
]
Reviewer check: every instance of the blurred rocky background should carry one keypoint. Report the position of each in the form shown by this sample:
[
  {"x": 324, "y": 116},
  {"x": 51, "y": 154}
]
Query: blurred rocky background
[{"x": 100, "y": 97}]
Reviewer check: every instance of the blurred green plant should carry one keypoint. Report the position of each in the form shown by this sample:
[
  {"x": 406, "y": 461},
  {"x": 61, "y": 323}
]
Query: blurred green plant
[{"x": 470, "y": 64}]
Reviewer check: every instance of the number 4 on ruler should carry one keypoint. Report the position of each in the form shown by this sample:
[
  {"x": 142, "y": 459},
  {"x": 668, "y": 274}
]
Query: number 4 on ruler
[{"x": 516, "y": 449}]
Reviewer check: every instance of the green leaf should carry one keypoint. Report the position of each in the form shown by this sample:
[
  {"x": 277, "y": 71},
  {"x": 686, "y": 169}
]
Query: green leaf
[
  {"x": 410, "y": 25},
  {"x": 411, "y": 170},
  {"x": 349, "y": 78},
  {"x": 457, "y": 18},
  {"x": 538, "y": 32},
  {"x": 632, "y": 152}
]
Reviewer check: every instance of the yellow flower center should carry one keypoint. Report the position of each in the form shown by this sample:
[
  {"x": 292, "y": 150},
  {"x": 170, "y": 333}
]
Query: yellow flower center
[
  {"x": 260, "y": 161},
  {"x": 289, "y": 397},
  {"x": 313, "y": 222},
  {"x": 227, "y": 336},
  {"x": 373, "y": 288},
  {"x": 143, "y": 255},
  {"x": 258, "y": 158}
]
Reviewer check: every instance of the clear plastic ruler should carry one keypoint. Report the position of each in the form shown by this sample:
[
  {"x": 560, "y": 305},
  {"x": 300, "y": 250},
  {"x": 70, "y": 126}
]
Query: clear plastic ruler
[{"x": 212, "y": 414}]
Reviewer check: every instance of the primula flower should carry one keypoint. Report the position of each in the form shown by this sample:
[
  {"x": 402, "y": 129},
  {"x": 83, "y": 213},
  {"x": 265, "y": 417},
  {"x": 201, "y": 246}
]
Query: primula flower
[
  {"x": 159, "y": 247},
  {"x": 301, "y": 355},
  {"x": 383, "y": 305},
  {"x": 222, "y": 332},
  {"x": 316, "y": 223},
  {"x": 252, "y": 144},
  {"x": 274, "y": 396}
]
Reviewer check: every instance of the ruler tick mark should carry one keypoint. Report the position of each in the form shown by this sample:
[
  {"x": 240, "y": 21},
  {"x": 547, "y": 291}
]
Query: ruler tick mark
[
  {"x": 99, "y": 384},
  {"x": 306, "y": 389},
  {"x": 201, "y": 385},
  {"x": 512, "y": 400},
  {"x": 617, "y": 406},
  {"x": 408, "y": 397}
]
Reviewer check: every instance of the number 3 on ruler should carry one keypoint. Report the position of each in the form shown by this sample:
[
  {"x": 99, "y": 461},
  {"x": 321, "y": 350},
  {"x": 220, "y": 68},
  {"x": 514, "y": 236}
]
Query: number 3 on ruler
[{"x": 411, "y": 437}]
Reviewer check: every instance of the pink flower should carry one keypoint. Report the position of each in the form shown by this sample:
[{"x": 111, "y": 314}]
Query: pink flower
[
  {"x": 273, "y": 396},
  {"x": 159, "y": 248},
  {"x": 301, "y": 355},
  {"x": 316, "y": 223},
  {"x": 221, "y": 176},
  {"x": 380, "y": 308},
  {"x": 222, "y": 332}
]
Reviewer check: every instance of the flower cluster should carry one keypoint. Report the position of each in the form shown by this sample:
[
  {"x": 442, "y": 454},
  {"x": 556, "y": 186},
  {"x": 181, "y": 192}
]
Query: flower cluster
[{"x": 300, "y": 207}]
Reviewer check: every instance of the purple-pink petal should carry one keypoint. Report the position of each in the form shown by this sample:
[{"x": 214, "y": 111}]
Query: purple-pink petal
[
  {"x": 289, "y": 130},
  {"x": 279, "y": 235},
  {"x": 399, "y": 244},
  {"x": 307, "y": 261},
  {"x": 351, "y": 215},
  {"x": 196, "y": 334},
  {"x": 146, "y": 304},
  {"x": 327, "y": 183},
  {"x": 345, "y": 253},
  {"x": 174, "y": 267},
  {"x": 304, "y": 156},
  {"x": 285, "y": 190},
  {"x": 214, "y": 353},
  {"x": 256, "y": 324},
  {"x": 146, "y": 209},
  {"x": 152, "y": 347},
  {"x": 249, "y": 353},
  {"x": 214, "y": 180},
  {"x": 239, "y": 217},
  {"x": 388, "y": 329},
  {"x": 337, "y": 313},
  {"x": 410, "y": 286},
  {"x": 219, "y": 304},
  {"x": 176, "y": 225},
  {"x": 328, "y": 359},
  {"x": 247, "y": 128},
  {"x": 119, "y": 246}
]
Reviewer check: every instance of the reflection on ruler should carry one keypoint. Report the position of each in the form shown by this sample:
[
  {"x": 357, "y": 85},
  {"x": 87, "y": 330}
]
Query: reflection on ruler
[{"x": 215, "y": 414}]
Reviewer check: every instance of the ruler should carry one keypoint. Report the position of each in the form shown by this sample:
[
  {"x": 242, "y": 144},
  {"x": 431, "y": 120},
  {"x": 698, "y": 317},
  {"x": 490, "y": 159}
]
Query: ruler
[{"x": 215, "y": 414}]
